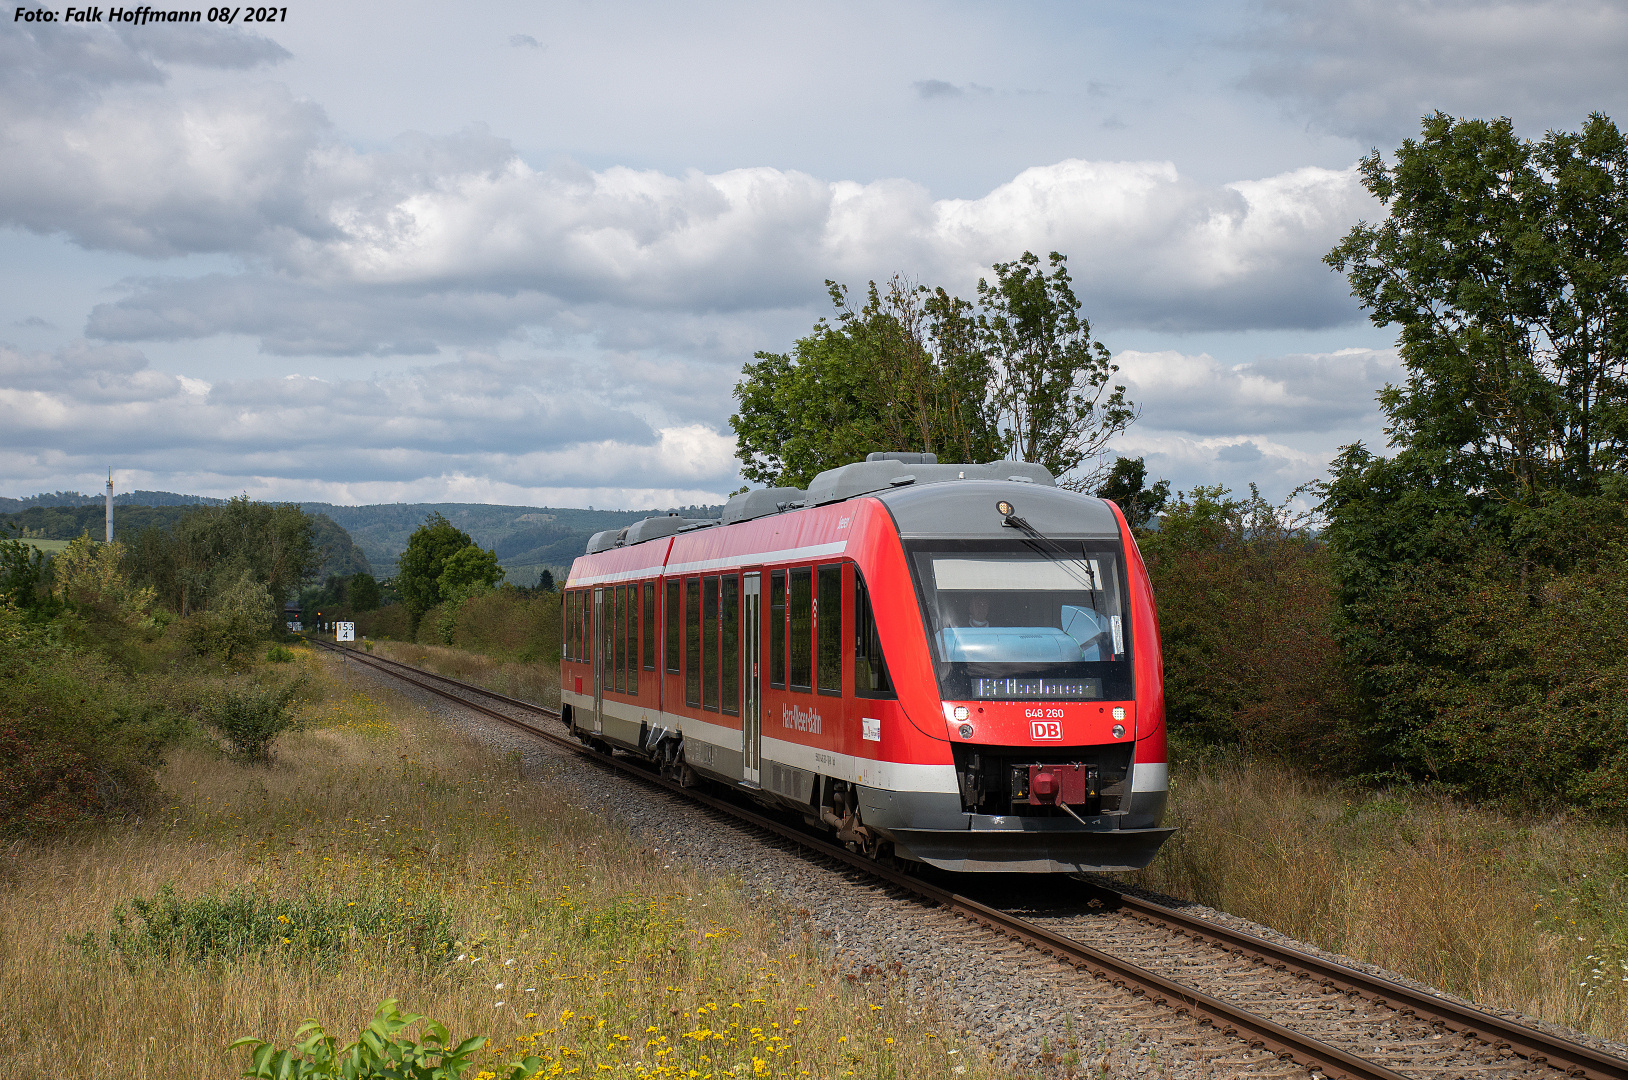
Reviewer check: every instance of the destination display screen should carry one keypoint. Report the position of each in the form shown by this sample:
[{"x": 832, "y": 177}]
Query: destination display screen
[{"x": 1037, "y": 689}]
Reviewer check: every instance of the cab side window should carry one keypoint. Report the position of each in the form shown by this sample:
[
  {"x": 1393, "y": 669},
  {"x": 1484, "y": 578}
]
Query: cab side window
[{"x": 870, "y": 668}]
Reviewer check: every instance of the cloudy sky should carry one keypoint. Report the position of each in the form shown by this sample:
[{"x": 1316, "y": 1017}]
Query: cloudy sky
[{"x": 518, "y": 252}]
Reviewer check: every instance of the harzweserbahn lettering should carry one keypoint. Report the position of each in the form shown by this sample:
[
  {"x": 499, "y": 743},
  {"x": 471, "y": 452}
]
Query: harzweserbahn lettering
[{"x": 143, "y": 15}]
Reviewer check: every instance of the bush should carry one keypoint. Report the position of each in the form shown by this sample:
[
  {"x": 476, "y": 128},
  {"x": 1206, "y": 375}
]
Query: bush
[
  {"x": 78, "y": 737},
  {"x": 505, "y": 624},
  {"x": 379, "y": 1054},
  {"x": 1246, "y": 601},
  {"x": 251, "y": 719},
  {"x": 279, "y": 655},
  {"x": 392, "y": 622},
  {"x": 239, "y": 619}
]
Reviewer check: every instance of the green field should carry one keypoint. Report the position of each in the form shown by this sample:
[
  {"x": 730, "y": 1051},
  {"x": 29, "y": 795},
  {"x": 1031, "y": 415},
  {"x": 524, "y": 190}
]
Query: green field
[{"x": 49, "y": 546}]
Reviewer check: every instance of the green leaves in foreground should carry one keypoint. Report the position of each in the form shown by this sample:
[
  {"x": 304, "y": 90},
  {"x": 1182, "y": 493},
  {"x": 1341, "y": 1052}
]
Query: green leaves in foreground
[
  {"x": 243, "y": 922},
  {"x": 378, "y": 1054}
]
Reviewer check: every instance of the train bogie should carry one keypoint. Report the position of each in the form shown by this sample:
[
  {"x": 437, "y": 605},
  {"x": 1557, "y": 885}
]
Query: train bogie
[{"x": 957, "y": 664}]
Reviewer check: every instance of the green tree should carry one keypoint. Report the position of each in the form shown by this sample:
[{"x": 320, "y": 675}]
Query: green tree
[
  {"x": 1505, "y": 264},
  {"x": 23, "y": 575},
  {"x": 1126, "y": 485},
  {"x": 903, "y": 372},
  {"x": 1053, "y": 390},
  {"x": 419, "y": 567},
  {"x": 468, "y": 571},
  {"x": 206, "y": 552},
  {"x": 1500, "y": 513},
  {"x": 365, "y": 594}
]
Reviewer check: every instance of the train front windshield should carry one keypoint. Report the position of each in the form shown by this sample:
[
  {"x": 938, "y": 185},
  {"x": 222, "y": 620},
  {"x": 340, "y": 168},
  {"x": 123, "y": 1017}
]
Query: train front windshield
[{"x": 1017, "y": 621}]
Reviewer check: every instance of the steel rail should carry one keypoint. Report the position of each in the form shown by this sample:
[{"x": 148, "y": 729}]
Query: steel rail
[{"x": 1533, "y": 1045}]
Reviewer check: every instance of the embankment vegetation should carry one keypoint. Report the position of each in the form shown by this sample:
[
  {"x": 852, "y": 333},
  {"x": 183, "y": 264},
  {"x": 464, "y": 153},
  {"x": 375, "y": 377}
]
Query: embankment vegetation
[{"x": 380, "y": 855}]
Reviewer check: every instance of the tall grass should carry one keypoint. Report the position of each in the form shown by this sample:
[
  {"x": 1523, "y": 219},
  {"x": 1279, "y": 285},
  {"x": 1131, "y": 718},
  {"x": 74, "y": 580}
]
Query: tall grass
[
  {"x": 562, "y": 936},
  {"x": 1522, "y": 914},
  {"x": 535, "y": 682}
]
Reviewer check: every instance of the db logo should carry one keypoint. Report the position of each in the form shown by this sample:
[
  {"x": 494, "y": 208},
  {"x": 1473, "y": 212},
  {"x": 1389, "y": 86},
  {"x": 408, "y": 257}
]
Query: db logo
[{"x": 1046, "y": 729}]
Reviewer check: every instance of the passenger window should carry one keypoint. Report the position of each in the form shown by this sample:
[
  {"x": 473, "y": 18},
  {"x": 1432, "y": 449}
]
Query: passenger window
[
  {"x": 619, "y": 635},
  {"x": 828, "y": 629},
  {"x": 731, "y": 653},
  {"x": 633, "y": 639},
  {"x": 777, "y": 629},
  {"x": 801, "y": 628},
  {"x": 692, "y": 634},
  {"x": 709, "y": 643},
  {"x": 649, "y": 626},
  {"x": 870, "y": 669},
  {"x": 675, "y": 643}
]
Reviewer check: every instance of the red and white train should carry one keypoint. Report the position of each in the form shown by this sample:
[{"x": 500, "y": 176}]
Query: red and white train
[{"x": 952, "y": 664}]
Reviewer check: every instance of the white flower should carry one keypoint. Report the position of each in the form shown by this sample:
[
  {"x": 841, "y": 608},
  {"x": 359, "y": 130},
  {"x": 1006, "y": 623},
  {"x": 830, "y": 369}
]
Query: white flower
[
  {"x": 463, "y": 956},
  {"x": 499, "y": 1004},
  {"x": 506, "y": 963},
  {"x": 499, "y": 986}
]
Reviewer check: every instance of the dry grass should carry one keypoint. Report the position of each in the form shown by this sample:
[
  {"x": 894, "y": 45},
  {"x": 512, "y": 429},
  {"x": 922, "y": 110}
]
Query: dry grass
[
  {"x": 571, "y": 940},
  {"x": 1525, "y": 915},
  {"x": 537, "y": 683}
]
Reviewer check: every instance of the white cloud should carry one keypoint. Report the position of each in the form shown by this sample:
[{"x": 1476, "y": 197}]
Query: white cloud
[
  {"x": 1303, "y": 393},
  {"x": 456, "y": 240},
  {"x": 484, "y": 421},
  {"x": 1276, "y": 422}
]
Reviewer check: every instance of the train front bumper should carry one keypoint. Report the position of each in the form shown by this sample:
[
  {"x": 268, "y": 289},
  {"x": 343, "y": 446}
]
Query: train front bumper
[
  {"x": 932, "y": 828},
  {"x": 1035, "y": 845}
]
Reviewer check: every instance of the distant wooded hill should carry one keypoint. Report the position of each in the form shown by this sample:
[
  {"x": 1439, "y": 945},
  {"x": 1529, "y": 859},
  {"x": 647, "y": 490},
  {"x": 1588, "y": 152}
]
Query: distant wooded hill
[
  {"x": 64, "y": 522},
  {"x": 527, "y": 539}
]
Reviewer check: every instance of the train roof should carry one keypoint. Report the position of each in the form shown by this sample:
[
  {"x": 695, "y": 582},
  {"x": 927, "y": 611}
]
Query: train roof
[{"x": 902, "y": 481}]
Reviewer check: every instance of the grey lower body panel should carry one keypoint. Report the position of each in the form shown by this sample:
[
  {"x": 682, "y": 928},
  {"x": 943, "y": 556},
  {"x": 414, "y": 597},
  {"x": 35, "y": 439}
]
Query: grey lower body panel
[{"x": 931, "y": 827}]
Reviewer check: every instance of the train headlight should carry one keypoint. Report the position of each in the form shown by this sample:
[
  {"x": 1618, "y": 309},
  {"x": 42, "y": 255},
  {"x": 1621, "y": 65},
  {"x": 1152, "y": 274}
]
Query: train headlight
[
  {"x": 1119, "y": 731},
  {"x": 960, "y": 712},
  {"x": 1119, "y": 712},
  {"x": 966, "y": 731},
  {"x": 1004, "y": 508}
]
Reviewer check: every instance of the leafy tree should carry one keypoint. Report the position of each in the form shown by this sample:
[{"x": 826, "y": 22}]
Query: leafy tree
[
  {"x": 365, "y": 594},
  {"x": 87, "y": 575},
  {"x": 918, "y": 369},
  {"x": 468, "y": 571},
  {"x": 23, "y": 574},
  {"x": 440, "y": 563},
  {"x": 1468, "y": 558},
  {"x": 1127, "y": 486},
  {"x": 901, "y": 373},
  {"x": 207, "y": 551},
  {"x": 1505, "y": 264},
  {"x": 1053, "y": 390}
]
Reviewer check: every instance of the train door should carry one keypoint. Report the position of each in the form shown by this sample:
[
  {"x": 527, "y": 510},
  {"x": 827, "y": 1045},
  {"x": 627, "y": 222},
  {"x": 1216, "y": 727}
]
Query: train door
[
  {"x": 601, "y": 640},
  {"x": 751, "y": 699}
]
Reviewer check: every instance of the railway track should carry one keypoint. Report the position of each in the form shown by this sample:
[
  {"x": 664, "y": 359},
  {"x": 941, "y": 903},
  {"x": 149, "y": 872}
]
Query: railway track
[{"x": 1328, "y": 1018}]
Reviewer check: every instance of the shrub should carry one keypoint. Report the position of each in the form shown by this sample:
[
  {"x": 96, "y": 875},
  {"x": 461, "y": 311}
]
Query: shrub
[
  {"x": 251, "y": 719},
  {"x": 379, "y": 1054},
  {"x": 240, "y": 617},
  {"x": 1246, "y": 603},
  {"x": 78, "y": 736},
  {"x": 243, "y": 921},
  {"x": 279, "y": 655}
]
